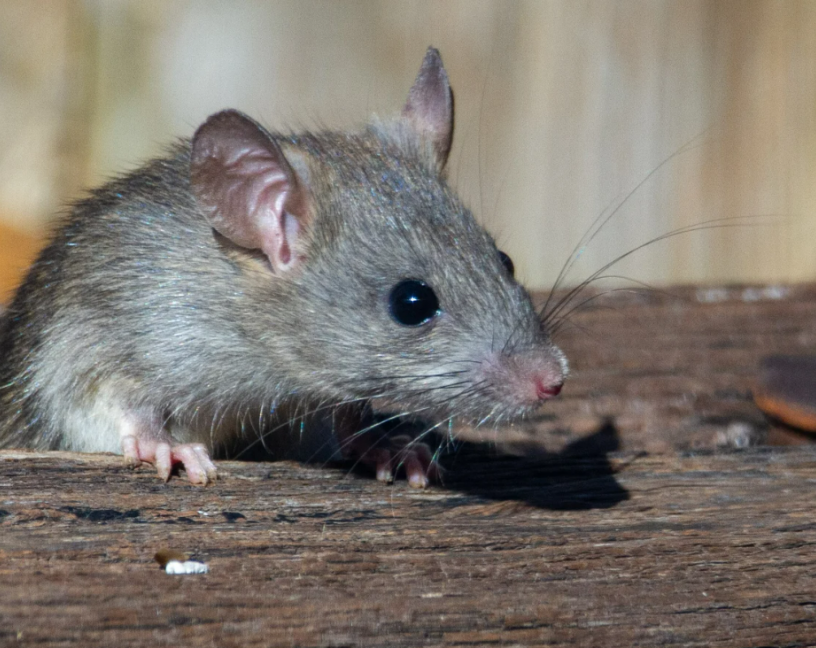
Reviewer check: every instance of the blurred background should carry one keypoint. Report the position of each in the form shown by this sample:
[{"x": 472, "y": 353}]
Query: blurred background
[{"x": 562, "y": 109}]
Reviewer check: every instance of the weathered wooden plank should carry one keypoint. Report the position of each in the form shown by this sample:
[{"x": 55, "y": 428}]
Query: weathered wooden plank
[
  {"x": 588, "y": 541},
  {"x": 708, "y": 550}
]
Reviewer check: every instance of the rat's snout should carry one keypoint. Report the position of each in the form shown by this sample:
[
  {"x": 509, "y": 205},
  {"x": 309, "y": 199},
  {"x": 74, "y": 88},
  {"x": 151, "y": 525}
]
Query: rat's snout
[
  {"x": 521, "y": 381},
  {"x": 545, "y": 390},
  {"x": 541, "y": 380}
]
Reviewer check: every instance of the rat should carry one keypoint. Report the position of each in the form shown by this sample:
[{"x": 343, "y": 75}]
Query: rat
[{"x": 251, "y": 280}]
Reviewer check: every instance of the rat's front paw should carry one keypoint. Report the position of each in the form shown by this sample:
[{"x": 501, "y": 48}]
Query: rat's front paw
[
  {"x": 386, "y": 444},
  {"x": 387, "y": 454},
  {"x": 164, "y": 454}
]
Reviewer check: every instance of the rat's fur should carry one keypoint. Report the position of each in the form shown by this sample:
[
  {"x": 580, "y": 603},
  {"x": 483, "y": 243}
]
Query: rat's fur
[{"x": 139, "y": 311}]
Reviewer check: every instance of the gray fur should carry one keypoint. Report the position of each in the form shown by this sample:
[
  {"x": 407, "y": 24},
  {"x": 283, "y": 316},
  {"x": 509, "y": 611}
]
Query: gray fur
[{"x": 138, "y": 306}]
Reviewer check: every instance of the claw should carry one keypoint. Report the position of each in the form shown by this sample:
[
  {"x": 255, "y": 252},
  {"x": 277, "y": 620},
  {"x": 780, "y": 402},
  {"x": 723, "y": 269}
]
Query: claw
[
  {"x": 385, "y": 450},
  {"x": 387, "y": 454},
  {"x": 163, "y": 455},
  {"x": 381, "y": 459},
  {"x": 163, "y": 460},
  {"x": 130, "y": 452},
  {"x": 414, "y": 468},
  {"x": 196, "y": 461}
]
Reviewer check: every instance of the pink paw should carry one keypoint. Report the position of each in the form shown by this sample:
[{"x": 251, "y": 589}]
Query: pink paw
[
  {"x": 163, "y": 455},
  {"x": 386, "y": 454}
]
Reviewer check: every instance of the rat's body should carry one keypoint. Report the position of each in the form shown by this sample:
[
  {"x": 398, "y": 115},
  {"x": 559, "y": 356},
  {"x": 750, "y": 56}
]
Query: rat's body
[{"x": 249, "y": 273}]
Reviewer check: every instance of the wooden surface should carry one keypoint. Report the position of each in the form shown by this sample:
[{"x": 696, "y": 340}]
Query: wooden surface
[{"x": 632, "y": 521}]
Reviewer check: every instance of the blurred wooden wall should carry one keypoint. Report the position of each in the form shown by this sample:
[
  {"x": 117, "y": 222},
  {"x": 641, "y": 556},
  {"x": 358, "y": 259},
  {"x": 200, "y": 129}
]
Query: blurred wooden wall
[{"x": 562, "y": 108}]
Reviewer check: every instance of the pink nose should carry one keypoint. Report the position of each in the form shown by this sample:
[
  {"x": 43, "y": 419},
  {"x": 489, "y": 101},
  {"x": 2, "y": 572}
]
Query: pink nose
[{"x": 544, "y": 391}]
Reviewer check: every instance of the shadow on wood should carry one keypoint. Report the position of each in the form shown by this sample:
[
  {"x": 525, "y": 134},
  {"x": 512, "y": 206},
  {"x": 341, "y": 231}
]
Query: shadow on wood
[{"x": 579, "y": 477}]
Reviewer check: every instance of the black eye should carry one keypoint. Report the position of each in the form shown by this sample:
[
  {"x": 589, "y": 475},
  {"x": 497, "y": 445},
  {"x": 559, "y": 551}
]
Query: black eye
[
  {"x": 413, "y": 302},
  {"x": 507, "y": 262}
]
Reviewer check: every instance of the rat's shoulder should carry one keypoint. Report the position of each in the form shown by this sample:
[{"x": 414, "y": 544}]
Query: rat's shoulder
[
  {"x": 162, "y": 181},
  {"x": 156, "y": 193}
]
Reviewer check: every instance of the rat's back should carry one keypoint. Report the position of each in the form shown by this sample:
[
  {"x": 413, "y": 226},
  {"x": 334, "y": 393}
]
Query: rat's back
[{"x": 73, "y": 329}]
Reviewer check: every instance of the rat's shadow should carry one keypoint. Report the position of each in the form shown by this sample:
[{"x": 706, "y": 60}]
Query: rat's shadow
[{"x": 578, "y": 478}]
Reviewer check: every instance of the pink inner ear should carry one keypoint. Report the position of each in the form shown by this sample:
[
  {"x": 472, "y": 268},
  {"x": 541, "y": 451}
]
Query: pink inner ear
[
  {"x": 284, "y": 255},
  {"x": 276, "y": 232},
  {"x": 243, "y": 184}
]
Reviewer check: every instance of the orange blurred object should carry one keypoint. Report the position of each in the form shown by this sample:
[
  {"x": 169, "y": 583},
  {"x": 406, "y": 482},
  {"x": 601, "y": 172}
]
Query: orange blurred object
[
  {"x": 786, "y": 390},
  {"x": 17, "y": 251}
]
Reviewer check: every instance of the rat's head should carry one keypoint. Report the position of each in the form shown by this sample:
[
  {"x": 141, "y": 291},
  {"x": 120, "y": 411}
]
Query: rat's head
[{"x": 378, "y": 281}]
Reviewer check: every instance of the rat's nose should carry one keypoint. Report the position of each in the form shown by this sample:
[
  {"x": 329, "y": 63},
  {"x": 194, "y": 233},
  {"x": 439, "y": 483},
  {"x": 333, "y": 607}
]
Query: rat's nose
[{"x": 546, "y": 390}]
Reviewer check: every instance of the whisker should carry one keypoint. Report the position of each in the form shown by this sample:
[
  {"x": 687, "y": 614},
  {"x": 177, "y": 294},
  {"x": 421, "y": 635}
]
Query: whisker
[
  {"x": 557, "y": 326},
  {"x": 558, "y": 316},
  {"x": 717, "y": 223},
  {"x": 602, "y": 219}
]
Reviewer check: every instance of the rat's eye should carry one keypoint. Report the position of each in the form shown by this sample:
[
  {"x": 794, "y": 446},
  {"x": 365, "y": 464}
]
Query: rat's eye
[
  {"x": 507, "y": 262},
  {"x": 413, "y": 302}
]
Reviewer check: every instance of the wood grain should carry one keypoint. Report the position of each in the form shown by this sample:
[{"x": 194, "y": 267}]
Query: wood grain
[
  {"x": 671, "y": 550},
  {"x": 623, "y": 524}
]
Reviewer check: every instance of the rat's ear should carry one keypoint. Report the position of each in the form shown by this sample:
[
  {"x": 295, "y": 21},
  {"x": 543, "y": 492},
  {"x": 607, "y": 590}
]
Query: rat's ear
[
  {"x": 429, "y": 108},
  {"x": 247, "y": 188}
]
